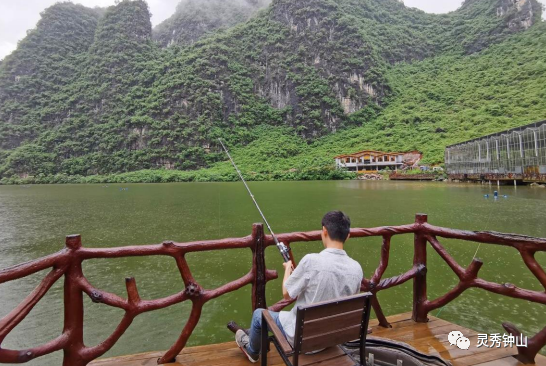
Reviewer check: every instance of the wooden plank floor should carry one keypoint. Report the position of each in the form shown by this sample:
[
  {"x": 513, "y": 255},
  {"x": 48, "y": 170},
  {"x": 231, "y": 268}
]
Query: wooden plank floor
[{"x": 428, "y": 337}]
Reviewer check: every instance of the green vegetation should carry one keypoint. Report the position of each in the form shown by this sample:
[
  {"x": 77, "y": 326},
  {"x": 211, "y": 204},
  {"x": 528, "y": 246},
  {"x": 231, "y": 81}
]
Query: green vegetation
[
  {"x": 171, "y": 176},
  {"x": 416, "y": 172},
  {"x": 449, "y": 99},
  {"x": 90, "y": 97},
  {"x": 48, "y": 59},
  {"x": 273, "y": 155}
]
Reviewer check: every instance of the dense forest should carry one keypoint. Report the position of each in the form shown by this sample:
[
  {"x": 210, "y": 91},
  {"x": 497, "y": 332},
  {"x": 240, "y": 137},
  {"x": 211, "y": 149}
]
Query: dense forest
[{"x": 97, "y": 95}]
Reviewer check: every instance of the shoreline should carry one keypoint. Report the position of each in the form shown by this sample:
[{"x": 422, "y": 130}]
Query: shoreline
[
  {"x": 205, "y": 176},
  {"x": 182, "y": 176},
  {"x": 216, "y": 175}
]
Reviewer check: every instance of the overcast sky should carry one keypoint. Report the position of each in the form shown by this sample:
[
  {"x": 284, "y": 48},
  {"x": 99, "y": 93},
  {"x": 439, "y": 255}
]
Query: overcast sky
[{"x": 16, "y": 16}]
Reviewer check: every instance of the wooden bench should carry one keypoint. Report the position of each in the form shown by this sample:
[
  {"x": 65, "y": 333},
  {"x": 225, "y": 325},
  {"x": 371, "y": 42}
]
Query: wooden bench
[{"x": 321, "y": 325}]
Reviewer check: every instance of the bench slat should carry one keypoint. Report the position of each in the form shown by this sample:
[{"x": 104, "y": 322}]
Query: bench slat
[
  {"x": 346, "y": 305},
  {"x": 330, "y": 339},
  {"x": 332, "y": 323}
]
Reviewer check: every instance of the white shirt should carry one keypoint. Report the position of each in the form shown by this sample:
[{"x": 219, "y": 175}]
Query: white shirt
[{"x": 328, "y": 275}]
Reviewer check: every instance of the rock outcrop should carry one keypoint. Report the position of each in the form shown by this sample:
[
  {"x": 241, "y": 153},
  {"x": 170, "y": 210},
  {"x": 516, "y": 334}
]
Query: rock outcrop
[{"x": 521, "y": 13}]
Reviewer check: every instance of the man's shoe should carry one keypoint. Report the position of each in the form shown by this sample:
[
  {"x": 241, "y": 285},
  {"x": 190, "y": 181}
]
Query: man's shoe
[{"x": 242, "y": 341}]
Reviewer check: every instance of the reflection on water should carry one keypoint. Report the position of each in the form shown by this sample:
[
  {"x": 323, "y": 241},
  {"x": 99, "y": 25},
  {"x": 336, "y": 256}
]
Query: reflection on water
[{"x": 35, "y": 220}]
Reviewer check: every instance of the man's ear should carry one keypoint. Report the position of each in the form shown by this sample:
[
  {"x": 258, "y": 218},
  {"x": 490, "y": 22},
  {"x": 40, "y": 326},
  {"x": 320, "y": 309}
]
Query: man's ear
[
  {"x": 324, "y": 231},
  {"x": 348, "y": 236}
]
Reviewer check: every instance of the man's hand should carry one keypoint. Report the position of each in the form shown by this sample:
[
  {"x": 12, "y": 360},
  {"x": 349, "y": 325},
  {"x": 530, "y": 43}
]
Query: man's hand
[{"x": 288, "y": 267}]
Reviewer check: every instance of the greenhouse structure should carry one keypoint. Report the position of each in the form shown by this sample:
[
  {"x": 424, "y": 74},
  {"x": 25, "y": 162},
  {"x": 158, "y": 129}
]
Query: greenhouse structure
[{"x": 518, "y": 154}]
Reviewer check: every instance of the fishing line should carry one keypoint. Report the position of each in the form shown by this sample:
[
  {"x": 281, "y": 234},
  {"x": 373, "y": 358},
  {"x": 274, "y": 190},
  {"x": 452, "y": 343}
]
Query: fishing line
[
  {"x": 285, "y": 251},
  {"x": 479, "y": 245},
  {"x": 486, "y": 226},
  {"x": 491, "y": 211}
]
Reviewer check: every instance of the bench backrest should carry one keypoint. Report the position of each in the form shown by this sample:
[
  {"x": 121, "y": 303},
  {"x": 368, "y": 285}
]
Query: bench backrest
[{"x": 330, "y": 323}]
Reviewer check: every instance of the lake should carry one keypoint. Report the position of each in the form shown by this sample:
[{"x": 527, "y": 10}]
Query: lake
[{"x": 34, "y": 221}]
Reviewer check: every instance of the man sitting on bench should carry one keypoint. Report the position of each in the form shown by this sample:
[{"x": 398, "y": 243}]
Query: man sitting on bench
[{"x": 328, "y": 275}]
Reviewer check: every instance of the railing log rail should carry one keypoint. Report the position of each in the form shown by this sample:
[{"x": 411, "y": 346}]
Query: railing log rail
[{"x": 68, "y": 263}]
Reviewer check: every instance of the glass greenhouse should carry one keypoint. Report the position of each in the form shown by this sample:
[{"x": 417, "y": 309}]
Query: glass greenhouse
[{"x": 516, "y": 154}]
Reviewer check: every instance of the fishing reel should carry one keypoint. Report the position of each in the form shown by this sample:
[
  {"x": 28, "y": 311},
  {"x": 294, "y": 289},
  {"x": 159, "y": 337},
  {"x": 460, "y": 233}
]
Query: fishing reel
[{"x": 285, "y": 251}]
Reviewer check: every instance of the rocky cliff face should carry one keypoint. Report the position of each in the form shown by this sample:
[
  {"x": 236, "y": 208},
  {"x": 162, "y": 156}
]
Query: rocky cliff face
[
  {"x": 521, "y": 13},
  {"x": 329, "y": 50}
]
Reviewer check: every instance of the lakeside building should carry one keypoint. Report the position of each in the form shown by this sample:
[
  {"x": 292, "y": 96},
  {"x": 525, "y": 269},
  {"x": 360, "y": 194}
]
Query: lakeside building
[
  {"x": 518, "y": 154},
  {"x": 371, "y": 161}
]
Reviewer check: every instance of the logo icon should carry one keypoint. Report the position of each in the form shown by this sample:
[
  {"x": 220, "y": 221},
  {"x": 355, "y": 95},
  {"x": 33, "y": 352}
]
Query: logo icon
[
  {"x": 457, "y": 338},
  {"x": 463, "y": 343}
]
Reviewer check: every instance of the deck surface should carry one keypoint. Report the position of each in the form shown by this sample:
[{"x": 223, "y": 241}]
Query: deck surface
[{"x": 428, "y": 337}]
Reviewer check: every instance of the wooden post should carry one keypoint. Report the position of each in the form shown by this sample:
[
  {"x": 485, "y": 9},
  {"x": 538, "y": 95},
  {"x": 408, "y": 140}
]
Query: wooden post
[
  {"x": 73, "y": 242},
  {"x": 420, "y": 281},
  {"x": 258, "y": 265},
  {"x": 73, "y": 307}
]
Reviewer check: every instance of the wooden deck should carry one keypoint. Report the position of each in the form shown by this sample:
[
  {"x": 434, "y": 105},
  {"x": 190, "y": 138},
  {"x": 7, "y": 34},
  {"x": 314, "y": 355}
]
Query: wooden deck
[{"x": 428, "y": 337}]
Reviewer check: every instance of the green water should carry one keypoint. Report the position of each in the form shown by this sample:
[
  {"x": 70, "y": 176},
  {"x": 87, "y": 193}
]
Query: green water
[{"x": 35, "y": 220}]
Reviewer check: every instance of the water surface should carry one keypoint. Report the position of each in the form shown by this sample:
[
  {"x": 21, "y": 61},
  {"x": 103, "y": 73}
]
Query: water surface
[{"x": 35, "y": 220}]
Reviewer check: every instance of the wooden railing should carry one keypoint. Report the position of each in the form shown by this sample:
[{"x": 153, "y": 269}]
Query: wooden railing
[{"x": 68, "y": 263}]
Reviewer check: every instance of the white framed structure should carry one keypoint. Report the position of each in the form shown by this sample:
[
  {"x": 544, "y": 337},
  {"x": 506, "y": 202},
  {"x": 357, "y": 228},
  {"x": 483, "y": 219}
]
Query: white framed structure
[{"x": 516, "y": 154}]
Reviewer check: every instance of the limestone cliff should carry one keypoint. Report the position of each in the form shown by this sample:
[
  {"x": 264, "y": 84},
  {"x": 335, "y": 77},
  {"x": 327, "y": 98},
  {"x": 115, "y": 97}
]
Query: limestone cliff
[{"x": 92, "y": 92}]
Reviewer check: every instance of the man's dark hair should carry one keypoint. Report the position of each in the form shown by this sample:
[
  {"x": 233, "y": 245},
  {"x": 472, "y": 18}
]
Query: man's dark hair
[{"x": 337, "y": 224}]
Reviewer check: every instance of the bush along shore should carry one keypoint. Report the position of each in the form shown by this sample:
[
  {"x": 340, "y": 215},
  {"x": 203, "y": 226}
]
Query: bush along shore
[
  {"x": 221, "y": 173},
  {"x": 170, "y": 176}
]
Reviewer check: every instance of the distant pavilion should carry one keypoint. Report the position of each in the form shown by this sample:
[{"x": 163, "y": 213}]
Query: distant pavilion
[{"x": 371, "y": 161}]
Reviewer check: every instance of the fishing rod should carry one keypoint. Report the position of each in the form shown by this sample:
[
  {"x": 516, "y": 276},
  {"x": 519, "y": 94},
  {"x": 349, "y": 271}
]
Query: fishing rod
[{"x": 285, "y": 252}]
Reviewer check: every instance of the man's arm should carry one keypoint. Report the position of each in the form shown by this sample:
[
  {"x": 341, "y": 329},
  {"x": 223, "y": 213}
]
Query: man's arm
[
  {"x": 288, "y": 268},
  {"x": 295, "y": 280}
]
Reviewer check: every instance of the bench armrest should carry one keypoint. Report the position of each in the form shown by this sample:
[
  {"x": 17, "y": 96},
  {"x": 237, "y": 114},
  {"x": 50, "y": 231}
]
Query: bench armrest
[{"x": 277, "y": 333}]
